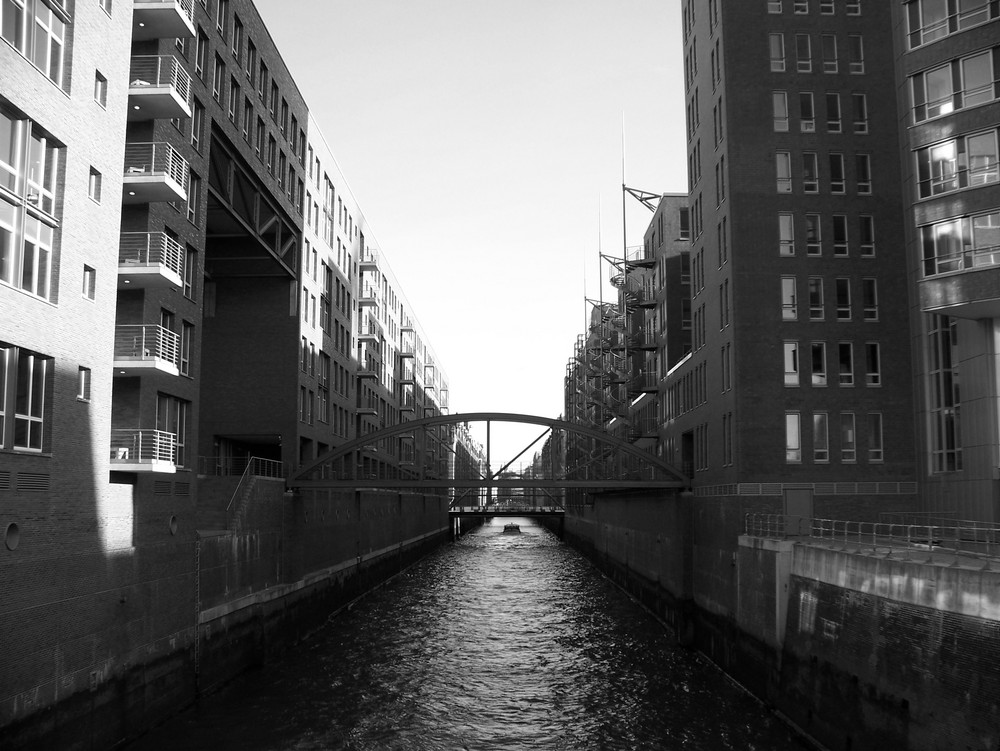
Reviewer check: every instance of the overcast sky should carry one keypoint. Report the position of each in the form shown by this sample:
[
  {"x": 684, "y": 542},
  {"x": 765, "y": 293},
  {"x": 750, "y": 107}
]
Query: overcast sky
[{"x": 480, "y": 138}]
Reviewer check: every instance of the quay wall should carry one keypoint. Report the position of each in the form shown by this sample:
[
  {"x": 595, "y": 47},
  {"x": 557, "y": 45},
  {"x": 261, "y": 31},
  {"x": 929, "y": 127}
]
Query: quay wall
[
  {"x": 858, "y": 650},
  {"x": 102, "y": 646}
]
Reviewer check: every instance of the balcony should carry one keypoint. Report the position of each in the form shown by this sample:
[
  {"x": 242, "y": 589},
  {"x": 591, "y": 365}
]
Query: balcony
[
  {"x": 368, "y": 260},
  {"x": 369, "y": 331},
  {"x": 162, "y": 19},
  {"x": 154, "y": 172},
  {"x": 368, "y": 408},
  {"x": 368, "y": 370},
  {"x": 159, "y": 88},
  {"x": 146, "y": 348},
  {"x": 407, "y": 376},
  {"x": 149, "y": 260},
  {"x": 137, "y": 450}
]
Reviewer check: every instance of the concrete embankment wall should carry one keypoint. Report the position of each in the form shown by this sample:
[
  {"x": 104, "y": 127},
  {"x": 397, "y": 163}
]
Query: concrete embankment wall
[
  {"x": 161, "y": 623},
  {"x": 859, "y": 651}
]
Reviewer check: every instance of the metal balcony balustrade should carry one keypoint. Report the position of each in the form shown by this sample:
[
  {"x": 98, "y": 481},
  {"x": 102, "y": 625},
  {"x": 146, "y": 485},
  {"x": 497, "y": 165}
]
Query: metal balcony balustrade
[
  {"x": 149, "y": 259},
  {"x": 140, "y": 450},
  {"x": 368, "y": 260},
  {"x": 147, "y": 346},
  {"x": 154, "y": 171},
  {"x": 159, "y": 87},
  {"x": 369, "y": 330},
  {"x": 369, "y": 370},
  {"x": 162, "y": 19}
]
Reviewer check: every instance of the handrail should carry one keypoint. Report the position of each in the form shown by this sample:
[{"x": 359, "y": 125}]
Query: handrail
[{"x": 256, "y": 467}]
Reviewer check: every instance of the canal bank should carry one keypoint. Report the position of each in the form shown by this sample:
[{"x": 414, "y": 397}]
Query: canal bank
[{"x": 859, "y": 650}]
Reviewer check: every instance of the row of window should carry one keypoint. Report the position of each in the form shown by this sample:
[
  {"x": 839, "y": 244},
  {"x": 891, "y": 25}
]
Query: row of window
[
  {"x": 929, "y": 20},
  {"x": 829, "y": 61},
  {"x": 843, "y": 305},
  {"x": 845, "y": 433},
  {"x": 964, "y": 162},
  {"x": 808, "y": 118},
  {"x": 836, "y": 174},
  {"x": 804, "y": 7},
  {"x": 957, "y": 84},
  {"x": 811, "y": 235},
  {"x": 817, "y": 364},
  {"x": 961, "y": 243},
  {"x": 37, "y": 29}
]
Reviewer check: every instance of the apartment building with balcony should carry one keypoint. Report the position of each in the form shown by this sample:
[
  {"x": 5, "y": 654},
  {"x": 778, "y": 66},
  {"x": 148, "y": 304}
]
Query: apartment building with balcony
[
  {"x": 798, "y": 385},
  {"x": 948, "y": 74}
]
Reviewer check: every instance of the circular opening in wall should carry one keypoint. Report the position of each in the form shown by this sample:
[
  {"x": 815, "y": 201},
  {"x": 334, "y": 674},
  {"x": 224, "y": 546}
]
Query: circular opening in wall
[
  {"x": 172, "y": 524},
  {"x": 12, "y": 537}
]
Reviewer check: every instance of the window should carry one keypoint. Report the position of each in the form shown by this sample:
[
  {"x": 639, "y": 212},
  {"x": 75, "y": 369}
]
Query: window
[
  {"x": 247, "y": 119},
  {"x": 838, "y": 183},
  {"x": 828, "y": 42},
  {"x": 106, "y": 6},
  {"x": 810, "y": 172},
  {"x": 855, "y": 53},
  {"x": 201, "y": 54},
  {"x": 968, "y": 242},
  {"x": 848, "y": 438},
  {"x": 83, "y": 384},
  {"x": 814, "y": 235},
  {"x": 171, "y": 419},
  {"x": 845, "y": 361},
  {"x": 821, "y": 437},
  {"x": 793, "y": 438},
  {"x": 187, "y": 337},
  {"x": 100, "y": 89},
  {"x": 816, "y": 304},
  {"x": 869, "y": 299},
  {"x": 29, "y": 163},
  {"x": 977, "y": 80},
  {"x": 237, "y": 39},
  {"x": 803, "y": 53},
  {"x": 190, "y": 272},
  {"x": 783, "y": 167},
  {"x": 89, "y": 282},
  {"x": 789, "y": 307},
  {"x": 774, "y": 6},
  {"x": 261, "y": 138},
  {"x": 860, "y": 113},
  {"x": 875, "y": 437},
  {"x": 786, "y": 235},
  {"x": 943, "y": 384},
  {"x": 800, "y": 6},
  {"x": 272, "y": 152},
  {"x": 818, "y": 363},
  {"x": 779, "y": 107},
  {"x": 853, "y": 7},
  {"x": 807, "y": 113},
  {"x": 217, "y": 78},
  {"x": 94, "y": 185},
  {"x": 234, "y": 101},
  {"x": 251, "y": 66},
  {"x": 826, "y": 7},
  {"x": 283, "y": 121},
  {"x": 274, "y": 101},
  {"x": 282, "y": 165},
  {"x": 866, "y": 235},
  {"x": 262, "y": 81},
  {"x": 833, "y": 124},
  {"x": 864, "y": 174},
  {"x": 36, "y": 31},
  {"x": 873, "y": 364},
  {"x": 24, "y": 380},
  {"x": 222, "y": 16},
  {"x": 791, "y": 363},
  {"x": 842, "y": 289},
  {"x": 197, "y": 123},
  {"x": 840, "y": 244},
  {"x": 777, "y": 47},
  {"x": 193, "y": 197},
  {"x": 930, "y": 19}
]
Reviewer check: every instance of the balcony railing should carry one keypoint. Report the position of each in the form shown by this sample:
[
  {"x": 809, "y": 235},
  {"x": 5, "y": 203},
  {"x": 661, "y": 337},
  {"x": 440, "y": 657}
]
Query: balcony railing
[
  {"x": 158, "y": 88},
  {"x": 162, "y": 19},
  {"x": 149, "y": 259},
  {"x": 146, "y": 346},
  {"x": 972, "y": 258},
  {"x": 137, "y": 450},
  {"x": 369, "y": 259},
  {"x": 154, "y": 172}
]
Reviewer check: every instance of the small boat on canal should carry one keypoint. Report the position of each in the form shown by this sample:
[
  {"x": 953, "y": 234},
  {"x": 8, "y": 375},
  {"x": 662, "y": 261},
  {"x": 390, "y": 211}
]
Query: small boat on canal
[{"x": 511, "y": 529}]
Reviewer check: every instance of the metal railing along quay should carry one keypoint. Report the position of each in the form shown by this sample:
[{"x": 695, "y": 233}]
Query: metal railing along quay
[{"x": 913, "y": 539}]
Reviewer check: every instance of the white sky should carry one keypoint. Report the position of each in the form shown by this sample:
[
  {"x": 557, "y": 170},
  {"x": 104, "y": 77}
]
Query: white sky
[{"x": 480, "y": 138}]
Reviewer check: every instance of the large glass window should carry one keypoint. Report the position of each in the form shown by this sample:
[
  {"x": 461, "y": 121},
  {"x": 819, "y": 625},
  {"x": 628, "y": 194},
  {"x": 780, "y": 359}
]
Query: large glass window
[
  {"x": 959, "y": 163},
  {"x": 962, "y": 243},
  {"x": 37, "y": 30},
  {"x": 930, "y": 20},
  {"x": 24, "y": 380},
  {"x": 943, "y": 388}
]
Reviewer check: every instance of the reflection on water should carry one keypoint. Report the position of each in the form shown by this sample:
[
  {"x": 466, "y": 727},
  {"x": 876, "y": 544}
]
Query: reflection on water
[{"x": 494, "y": 642}]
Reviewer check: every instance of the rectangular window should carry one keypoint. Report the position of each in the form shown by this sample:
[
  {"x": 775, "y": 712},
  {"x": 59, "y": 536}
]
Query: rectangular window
[
  {"x": 171, "y": 419},
  {"x": 944, "y": 378},
  {"x": 262, "y": 81},
  {"x": 94, "y": 186},
  {"x": 800, "y": 6},
  {"x": 875, "y": 437},
  {"x": 860, "y": 113},
  {"x": 826, "y": 7},
  {"x": 866, "y": 235},
  {"x": 774, "y": 6},
  {"x": 187, "y": 337},
  {"x": 810, "y": 172},
  {"x": 201, "y": 54},
  {"x": 833, "y": 122},
  {"x": 218, "y": 75},
  {"x": 869, "y": 299},
  {"x": 843, "y": 293},
  {"x": 786, "y": 235},
  {"x": 237, "y": 39},
  {"x": 814, "y": 235},
  {"x": 816, "y": 305},
  {"x": 197, "y": 123},
  {"x": 838, "y": 183},
  {"x": 251, "y": 66},
  {"x": 856, "y": 53},
  {"x": 789, "y": 306},
  {"x": 793, "y": 438},
  {"x": 234, "y": 102},
  {"x": 821, "y": 437},
  {"x": 853, "y": 7},
  {"x": 864, "y": 174},
  {"x": 783, "y": 168},
  {"x": 779, "y": 106},
  {"x": 89, "y": 282},
  {"x": 272, "y": 152},
  {"x": 848, "y": 438},
  {"x": 24, "y": 380},
  {"x": 776, "y": 44},
  {"x": 83, "y": 384},
  {"x": 840, "y": 242},
  {"x": 829, "y": 44},
  {"x": 803, "y": 53},
  {"x": 100, "y": 89},
  {"x": 261, "y": 138},
  {"x": 873, "y": 364},
  {"x": 791, "y": 363},
  {"x": 977, "y": 80},
  {"x": 193, "y": 198},
  {"x": 845, "y": 363},
  {"x": 222, "y": 16},
  {"x": 247, "y": 119},
  {"x": 807, "y": 113},
  {"x": 818, "y": 363},
  {"x": 273, "y": 108}
]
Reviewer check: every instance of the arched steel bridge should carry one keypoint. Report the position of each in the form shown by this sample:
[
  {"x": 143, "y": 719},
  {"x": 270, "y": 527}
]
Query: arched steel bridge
[{"x": 420, "y": 454}]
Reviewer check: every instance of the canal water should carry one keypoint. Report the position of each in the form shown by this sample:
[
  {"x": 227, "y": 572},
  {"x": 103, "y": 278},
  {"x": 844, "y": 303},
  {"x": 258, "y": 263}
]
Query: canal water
[{"x": 496, "y": 641}]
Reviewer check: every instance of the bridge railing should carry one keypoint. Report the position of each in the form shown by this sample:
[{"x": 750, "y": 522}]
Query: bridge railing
[
  {"x": 486, "y": 510},
  {"x": 925, "y": 540}
]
